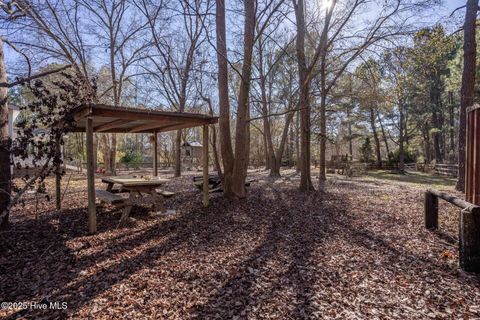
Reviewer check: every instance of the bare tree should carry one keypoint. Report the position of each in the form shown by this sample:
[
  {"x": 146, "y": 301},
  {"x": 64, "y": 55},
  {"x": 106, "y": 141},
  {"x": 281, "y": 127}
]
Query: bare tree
[
  {"x": 277, "y": 95},
  {"x": 173, "y": 61},
  {"x": 343, "y": 39},
  {"x": 118, "y": 28}
]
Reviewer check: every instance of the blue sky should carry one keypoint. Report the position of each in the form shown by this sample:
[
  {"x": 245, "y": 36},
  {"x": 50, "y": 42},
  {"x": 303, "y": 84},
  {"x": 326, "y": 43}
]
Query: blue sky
[{"x": 440, "y": 14}]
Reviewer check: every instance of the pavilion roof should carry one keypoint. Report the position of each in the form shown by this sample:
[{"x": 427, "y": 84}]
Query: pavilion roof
[{"x": 108, "y": 118}]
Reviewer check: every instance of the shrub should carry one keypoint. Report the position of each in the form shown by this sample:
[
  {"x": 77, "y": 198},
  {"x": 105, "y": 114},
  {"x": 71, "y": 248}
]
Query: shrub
[
  {"x": 409, "y": 156},
  {"x": 132, "y": 158},
  {"x": 366, "y": 151}
]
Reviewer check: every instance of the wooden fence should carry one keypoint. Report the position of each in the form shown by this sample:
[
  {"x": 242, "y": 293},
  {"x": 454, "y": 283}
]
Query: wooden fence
[
  {"x": 447, "y": 170},
  {"x": 469, "y": 226}
]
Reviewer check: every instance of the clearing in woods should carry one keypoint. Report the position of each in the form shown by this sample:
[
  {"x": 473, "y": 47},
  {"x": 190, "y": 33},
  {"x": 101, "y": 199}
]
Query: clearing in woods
[{"x": 359, "y": 248}]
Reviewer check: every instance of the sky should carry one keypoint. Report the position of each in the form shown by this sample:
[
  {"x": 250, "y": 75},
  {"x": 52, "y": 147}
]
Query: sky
[{"x": 438, "y": 15}]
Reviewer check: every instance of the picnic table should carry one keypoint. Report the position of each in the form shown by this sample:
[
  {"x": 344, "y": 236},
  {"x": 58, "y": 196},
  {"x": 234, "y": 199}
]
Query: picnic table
[{"x": 135, "y": 187}]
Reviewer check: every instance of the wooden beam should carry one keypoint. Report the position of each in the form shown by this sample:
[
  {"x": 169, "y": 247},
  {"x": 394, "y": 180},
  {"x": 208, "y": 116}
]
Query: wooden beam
[
  {"x": 155, "y": 154},
  {"x": 110, "y": 125},
  {"x": 452, "y": 199},
  {"x": 176, "y": 126},
  {"x": 205, "y": 165},
  {"x": 151, "y": 126},
  {"x": 92, "y": 211},
  {"x": 84, "y": 112},
  {"x": 139, "y": 114}
]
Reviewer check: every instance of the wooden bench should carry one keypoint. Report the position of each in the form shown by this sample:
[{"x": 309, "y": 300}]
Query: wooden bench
[
  {"x": 110, "y": 198},
  {"x": 165, "y": 193}
]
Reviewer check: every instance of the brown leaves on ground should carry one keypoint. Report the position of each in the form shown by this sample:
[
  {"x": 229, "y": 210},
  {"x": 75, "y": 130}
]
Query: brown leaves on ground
[{"x": 356, "y": 250}]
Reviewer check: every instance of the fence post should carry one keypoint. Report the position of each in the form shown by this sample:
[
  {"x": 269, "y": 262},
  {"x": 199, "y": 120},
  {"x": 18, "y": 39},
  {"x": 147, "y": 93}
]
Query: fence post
[
  {"x": 469, "y": 240},
  {"x": 431, "y": 211}
]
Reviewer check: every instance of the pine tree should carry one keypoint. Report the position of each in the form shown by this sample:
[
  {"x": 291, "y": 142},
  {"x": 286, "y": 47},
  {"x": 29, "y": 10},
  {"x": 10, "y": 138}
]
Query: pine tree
[{"x": 366, "y": 151}]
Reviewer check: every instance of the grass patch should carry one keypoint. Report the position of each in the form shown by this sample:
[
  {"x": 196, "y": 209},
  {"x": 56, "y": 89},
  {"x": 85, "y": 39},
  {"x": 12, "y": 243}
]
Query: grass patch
[{"x": 413, "y": 177}]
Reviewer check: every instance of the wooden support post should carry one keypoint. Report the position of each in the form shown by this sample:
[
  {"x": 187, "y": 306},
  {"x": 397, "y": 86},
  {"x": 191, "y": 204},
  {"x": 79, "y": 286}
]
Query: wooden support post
[
  {"x": 92, "y": 211},
  {"x": 58, "y": 178},
  {"x": 431, "y": 210},
  {"x": 469, "y": 239},
  {"x": 155, "y": 153},
  {"x": 205, "y": 165}
]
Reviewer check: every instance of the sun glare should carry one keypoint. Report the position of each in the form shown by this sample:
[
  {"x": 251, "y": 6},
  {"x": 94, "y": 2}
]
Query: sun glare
[{"x": 326, "y": 4}]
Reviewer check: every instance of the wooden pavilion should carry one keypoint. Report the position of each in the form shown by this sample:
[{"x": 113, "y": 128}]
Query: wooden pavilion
[{"x": 109, "y": 119}]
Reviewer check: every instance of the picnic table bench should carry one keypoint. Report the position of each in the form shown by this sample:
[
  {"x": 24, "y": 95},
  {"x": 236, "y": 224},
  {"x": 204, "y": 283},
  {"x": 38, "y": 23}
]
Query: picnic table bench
[{"x": 135, "y": 188}]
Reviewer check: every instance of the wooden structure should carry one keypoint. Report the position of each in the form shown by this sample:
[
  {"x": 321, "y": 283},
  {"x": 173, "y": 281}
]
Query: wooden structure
[
  {"x": 469, "y": 233},
  {"x": 469, "y": 226},
  {"x": 472, "y": 159},
  {"x": 135, "y": 187},
  {"x": 192, "y": 153},
  {"x": 105, "y": 119}
]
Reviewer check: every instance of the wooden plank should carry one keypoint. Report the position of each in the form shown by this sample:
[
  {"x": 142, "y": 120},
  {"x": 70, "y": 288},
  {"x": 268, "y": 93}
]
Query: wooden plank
[
  {"x": 109, "y": 197},
  {"x": 469, "y": 157},
  {"x": 476, "y": 158},
  {"x": 155, "y": 154},
  {"x": 152, "y": 126},
  {"x": 134, "y": 182},
  {"x": 165, "y": 193},
  {"x": 110, "y": 125},
  {"x": 175, "y": 127},
  {"x": 205, "y": 165},
  {"x": 92, "y": 211}
]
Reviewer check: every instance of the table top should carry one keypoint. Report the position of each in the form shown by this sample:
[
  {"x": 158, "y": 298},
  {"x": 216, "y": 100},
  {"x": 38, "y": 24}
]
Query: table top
[{"x": 134, "y": 182}]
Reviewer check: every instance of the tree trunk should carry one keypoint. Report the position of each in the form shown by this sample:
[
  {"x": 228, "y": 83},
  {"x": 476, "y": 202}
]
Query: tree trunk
[
  {"x": 267, "y": 129},
  {"x": 5, "y": 173},
  {"x": 275, "y": 171},
  {"x": 401, "y": 139},
  {"x": 242, "y": 125},
  {"x": 113, "y": 154},
  {"x": 436, "y": 137},
  {"x": 265, "y": 146},
  {"x": 350, "y": 140},
  {"x": 178, "y": 153},
  {"x": 385, "y": 139},
  {"x": 304, "y": 103},
  {"x": 451, "y": 125},
  {"x": 468, "y": 84},
  {"x": 291, "y": 143},
  {"x": 216, "y": 159},
  {"x": 375, "y": 138},
  {"x": 297, "y": 142},
  {"x": 323, "y": 129},
  {"x": 223, "y": 98},
  {"x": 426, "y": 137},
  {"x": 106, "y": 153}
]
